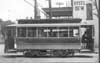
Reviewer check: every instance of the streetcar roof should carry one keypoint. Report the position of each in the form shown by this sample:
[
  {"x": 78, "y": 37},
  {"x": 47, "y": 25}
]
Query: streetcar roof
[{"x": 44, "y": 25}]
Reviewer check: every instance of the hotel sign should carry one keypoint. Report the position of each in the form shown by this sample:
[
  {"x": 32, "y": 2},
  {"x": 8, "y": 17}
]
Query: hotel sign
[
  {"x": 79, "y": 5},
  {"x": 79, "y": 9}
]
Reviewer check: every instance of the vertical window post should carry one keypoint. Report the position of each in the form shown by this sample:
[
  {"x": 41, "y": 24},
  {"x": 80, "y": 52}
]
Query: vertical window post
[
  {"x": 11, "y": 32},
  {"x": 16, "y": 32},
  {"x": 79, "y": 31},
  {"x": 37, "y": 32},
  {"x": 58, "y": 32},
  {"x": 47, "y": 33},
  {"x": 68, "y": 32},
  {"x": 26, "y": 32}
]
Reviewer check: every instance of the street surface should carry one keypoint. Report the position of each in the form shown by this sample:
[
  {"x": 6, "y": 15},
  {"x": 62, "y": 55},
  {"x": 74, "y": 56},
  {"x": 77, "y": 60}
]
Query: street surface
[{"x": 20, "y": 58}]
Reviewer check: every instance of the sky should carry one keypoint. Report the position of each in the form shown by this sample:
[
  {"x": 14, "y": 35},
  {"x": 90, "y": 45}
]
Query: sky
[{"x": 19, "y": 9}]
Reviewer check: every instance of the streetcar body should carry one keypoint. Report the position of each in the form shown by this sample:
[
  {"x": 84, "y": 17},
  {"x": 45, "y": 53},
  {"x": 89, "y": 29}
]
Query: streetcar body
[
  {"x": 49, "y": 37},
  {"x": 54, "y": 39}
]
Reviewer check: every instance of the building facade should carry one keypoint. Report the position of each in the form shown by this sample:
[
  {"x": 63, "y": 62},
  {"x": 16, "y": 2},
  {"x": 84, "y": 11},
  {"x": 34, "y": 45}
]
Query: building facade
[{"x": 82, "y": 9}]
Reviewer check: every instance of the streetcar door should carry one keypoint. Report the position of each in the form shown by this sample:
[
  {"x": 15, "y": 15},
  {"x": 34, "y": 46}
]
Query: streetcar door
[
  {"x": 9, "y": 41},
  {"x": 87, "y": 37}
]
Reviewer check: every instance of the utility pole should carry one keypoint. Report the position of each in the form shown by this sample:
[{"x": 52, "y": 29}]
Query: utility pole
[
  {"x": 72, "y": 6},
  {"x": 50, "y": 9},
  {"x": 36, "y": 11},
  {"x": 72, "y": 3}
]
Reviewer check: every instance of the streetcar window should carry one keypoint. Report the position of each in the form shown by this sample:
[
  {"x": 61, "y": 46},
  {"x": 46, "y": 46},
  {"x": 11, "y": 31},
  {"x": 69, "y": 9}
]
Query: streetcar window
[
  {"x": 70, "y": 32},
  {"x": 76, "y": 32},
  {"x": 53, "y": 32},
  {"x": 9, "y": 33},
  {"x": 73, "y": 31},
  {"x": 42, "y": 32},
  {"x": 31, "y": 32},
  {"x": 63, "y": 32},
  {"x": 21, "y": 32},
  {"x": 48, "y": 32}
]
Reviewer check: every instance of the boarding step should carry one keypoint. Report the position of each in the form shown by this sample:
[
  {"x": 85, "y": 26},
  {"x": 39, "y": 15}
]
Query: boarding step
[
  {"x": 86, "y": 51},
  {"x": 11, "y": 51}
]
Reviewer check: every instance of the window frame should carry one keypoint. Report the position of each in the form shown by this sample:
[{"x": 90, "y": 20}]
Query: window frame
[
  {"x": 58, "y": 32},
  {"x": 17, "y": 32},
  {"x": 33, "y": 29}
]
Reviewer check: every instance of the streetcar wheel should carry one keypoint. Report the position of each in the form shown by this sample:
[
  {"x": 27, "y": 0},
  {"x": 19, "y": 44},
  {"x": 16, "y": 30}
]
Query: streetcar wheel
[
  {"x": 55, "y": 53},
  {"x": 27, "y": 54},
  {"x": 35, "y": 53},
  {"x": 60, "y": 53},
  {"x": 64, "y": 53},
  {"x": 42, "y": 53},
  {"x": 72, "y": 53}
]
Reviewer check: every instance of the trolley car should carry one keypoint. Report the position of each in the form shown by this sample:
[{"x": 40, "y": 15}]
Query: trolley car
[{"x": 41, "y": 39}]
